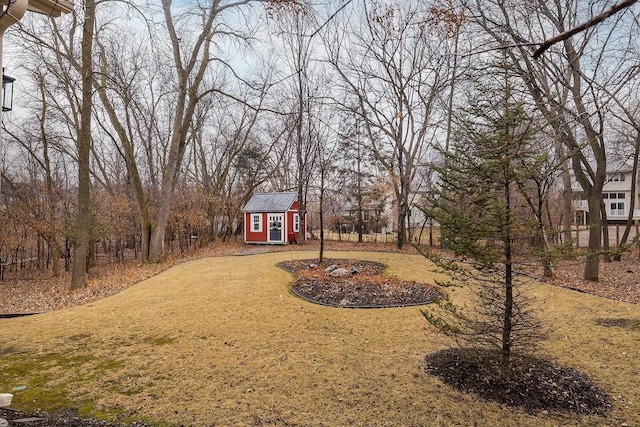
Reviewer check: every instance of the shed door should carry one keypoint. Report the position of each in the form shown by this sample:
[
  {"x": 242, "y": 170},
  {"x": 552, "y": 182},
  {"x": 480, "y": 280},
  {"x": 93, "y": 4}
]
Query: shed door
[{"x": 275, "y": 227}]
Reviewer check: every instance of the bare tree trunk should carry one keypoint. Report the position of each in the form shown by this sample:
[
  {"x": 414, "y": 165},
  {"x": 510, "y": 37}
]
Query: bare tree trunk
[
  {"x": 507, "y": 325},
  {"x": 359, "y": 193},
  {"x": 190, "y": 74},
  {"x": 52, "y": 240},
  {"x": 128, "y": 155},
  {"x": 567, "y": 203},
  {"x": 79, "y": 273},
  {"x": 632, "y": 202},
  {"x": 321, "y": 207},
  {"x": 402, "y": 219},
  {"x": 606, "y": 246},
  {"x": 592, "y": 264},
  {"x": 300, "y": 159}
]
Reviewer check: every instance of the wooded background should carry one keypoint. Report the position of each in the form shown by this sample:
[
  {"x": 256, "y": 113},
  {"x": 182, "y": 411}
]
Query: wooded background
[{"x": 147, "y": 126}]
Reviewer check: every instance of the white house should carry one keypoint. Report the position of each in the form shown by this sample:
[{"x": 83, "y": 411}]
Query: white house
[{"x": 616, "y": 195}]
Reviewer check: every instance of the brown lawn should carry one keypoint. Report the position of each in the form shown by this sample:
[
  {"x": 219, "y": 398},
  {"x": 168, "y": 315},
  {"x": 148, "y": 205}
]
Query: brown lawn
[{"x": 222, "y": 341}]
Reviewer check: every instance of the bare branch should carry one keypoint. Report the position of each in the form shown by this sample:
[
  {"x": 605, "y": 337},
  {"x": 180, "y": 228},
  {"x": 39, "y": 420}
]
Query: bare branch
[{"x": 575, "y": 30}]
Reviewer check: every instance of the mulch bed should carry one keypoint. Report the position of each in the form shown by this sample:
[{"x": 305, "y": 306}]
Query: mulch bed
[
  {"x": 535, "y": 385},
  {"x": 367, "y": 288},
  {"x": 67, "y": 419}
]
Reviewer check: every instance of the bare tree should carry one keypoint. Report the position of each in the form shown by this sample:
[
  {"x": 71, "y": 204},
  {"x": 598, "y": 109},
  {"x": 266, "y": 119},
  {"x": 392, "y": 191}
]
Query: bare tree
[
  {"x": 66, "y": 51},
  {"x": 628, "y": 112},
  {"x": 583, "y": 27},
  {"x": 79, "y": 273},
  {"x": 127, "y": 91},
  {"x": 355, "y": 167},
  {"x": 294, "y": 30},
  {"x": 394, "y": 67},
  {"x": 42, "y": 157},
  {"x": 167, "y": 117},
  {"x": 232, "y": 158},
  {"x": 326, "y": 167},
  {"x": 564, "y": 87},
  {"x": 192, "y": 56}
]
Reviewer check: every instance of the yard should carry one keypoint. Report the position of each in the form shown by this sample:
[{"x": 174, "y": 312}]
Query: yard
[{"x": 223, "y": 341}]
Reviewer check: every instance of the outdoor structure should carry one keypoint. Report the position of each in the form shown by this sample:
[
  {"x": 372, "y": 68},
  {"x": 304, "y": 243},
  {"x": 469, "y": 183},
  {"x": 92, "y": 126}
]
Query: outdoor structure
[
  {"x": 616, "y": 195},
  {"x": 272, "y": 218}
]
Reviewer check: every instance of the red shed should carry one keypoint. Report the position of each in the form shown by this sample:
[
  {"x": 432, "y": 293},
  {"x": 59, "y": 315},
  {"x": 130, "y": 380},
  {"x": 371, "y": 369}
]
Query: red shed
[{"x": 272, "y": 218}]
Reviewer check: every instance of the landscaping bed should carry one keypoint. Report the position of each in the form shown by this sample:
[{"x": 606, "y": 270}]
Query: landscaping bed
[
  {"x": 533, "y": 384},
  {"x": 366, "y": 287},
  {"x": 67, "y": 419}
]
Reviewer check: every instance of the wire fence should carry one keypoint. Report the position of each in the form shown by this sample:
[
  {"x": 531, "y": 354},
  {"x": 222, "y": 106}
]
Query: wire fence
[
  {"x": 580, "y": 234},
  {"x": 431, "y": 236},
  {"x": 426, "y": 236}
]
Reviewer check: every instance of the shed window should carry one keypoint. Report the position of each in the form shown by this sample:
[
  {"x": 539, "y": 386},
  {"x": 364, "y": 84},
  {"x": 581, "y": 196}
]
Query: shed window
[
  {"x": 256, "y": 222},
  {"x": 296, "y": 223}
]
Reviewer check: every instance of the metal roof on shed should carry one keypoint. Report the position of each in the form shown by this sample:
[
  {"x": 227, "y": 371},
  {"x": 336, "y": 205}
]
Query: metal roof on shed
[{"x": 270, "y": 202}]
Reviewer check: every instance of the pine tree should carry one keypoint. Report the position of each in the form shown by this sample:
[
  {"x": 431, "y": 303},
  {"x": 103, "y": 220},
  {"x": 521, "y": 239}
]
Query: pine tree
[{"x": 477, "y": 205}]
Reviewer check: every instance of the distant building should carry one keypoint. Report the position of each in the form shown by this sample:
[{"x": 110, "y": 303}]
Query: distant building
[
  {"x": 616, "y": 195},
  {"x": 375, "y": 217}
]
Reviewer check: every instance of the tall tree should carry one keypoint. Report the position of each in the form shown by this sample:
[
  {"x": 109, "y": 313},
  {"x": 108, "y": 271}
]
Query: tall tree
[
  {"x": 83, "y": 234},
  {"x": 128, "y": 99},
  {"x": 192, "y": 56},
  {"x": 629, "y": 114},
  {"x": 394, "y": 65},
  {"x": 356, "y": 168},
  {"x": 163, "y": 120},
  {"x": 476, "y": 204},
  {"x": 42, "y": 156},
  {"x": 564, "y": 84},
  {"x": 191, "y": 59},
  {"x": 65, "y": 50},
  {"x": 302, "y": 87}
]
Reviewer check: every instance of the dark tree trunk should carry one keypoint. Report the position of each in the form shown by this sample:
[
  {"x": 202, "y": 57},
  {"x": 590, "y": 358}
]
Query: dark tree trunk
[
  {"x": 632, "y": 202},
  {"x": 592, "y": 264},
  {"x": 79, "y": 273}
]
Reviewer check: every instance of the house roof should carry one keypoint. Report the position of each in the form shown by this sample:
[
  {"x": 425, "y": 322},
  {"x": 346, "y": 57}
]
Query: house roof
[
  {"x": 270, "y": 202},
  {"x": 619, "y": 166}
]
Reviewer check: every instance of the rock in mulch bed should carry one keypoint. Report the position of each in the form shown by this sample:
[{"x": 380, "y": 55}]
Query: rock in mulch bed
[
  {"x": 366, "y": 288},
  {"x": 535, "y": 385}
]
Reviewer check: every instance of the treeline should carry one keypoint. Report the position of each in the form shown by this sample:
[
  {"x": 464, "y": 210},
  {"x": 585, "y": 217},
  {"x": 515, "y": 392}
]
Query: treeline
[{"x": 148, "y": 125}]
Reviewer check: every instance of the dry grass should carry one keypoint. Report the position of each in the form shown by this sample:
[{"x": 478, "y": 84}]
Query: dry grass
[{"x": 221, "y": 341}]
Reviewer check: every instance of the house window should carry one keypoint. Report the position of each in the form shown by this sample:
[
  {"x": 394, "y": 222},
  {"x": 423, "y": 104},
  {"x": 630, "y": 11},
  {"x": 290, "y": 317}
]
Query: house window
[
  {"x": 256, "y": 222},
  {"x": 296, "y": 222},
  {"x": 615, "y": 177},
  {"x": 610, "y": 196},
  {"x": 617, "y": 209}
]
